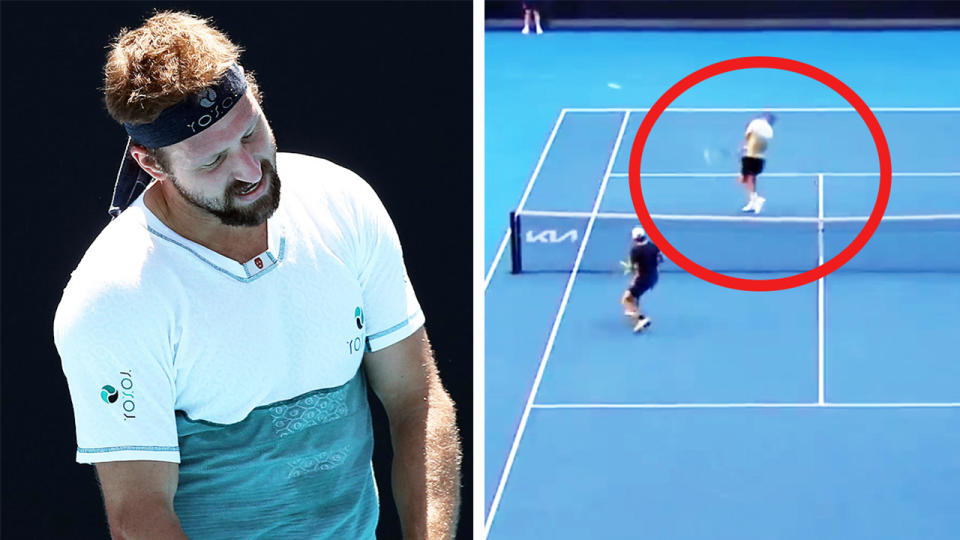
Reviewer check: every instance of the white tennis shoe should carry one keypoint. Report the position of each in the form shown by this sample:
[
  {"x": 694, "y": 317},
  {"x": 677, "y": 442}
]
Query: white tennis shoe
[
  {"x": 758, "y": 204},
  {"x": 642, "y": 324}
]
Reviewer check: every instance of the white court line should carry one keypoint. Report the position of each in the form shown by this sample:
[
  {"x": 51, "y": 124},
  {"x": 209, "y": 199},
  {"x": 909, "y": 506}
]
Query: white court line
[
  {"x": 553, "y": 332},
  {"x": 679, "y": 217},
  {"x": 785, "y": 174},
  {"x": 523, "y": 199},
  {"x": 740, "y": 219},
  {"x": 820, "y": 295},
  {"x": 595, "y": 406},
  {"x": 918, "y": 217},
  {"x": 767, "y": 109}
]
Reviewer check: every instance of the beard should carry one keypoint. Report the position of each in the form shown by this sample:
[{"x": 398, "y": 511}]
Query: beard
[{"x": 232, "y": 213}]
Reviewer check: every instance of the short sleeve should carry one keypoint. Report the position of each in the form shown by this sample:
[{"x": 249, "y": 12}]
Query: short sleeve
[
  {"x": 118, "y": 366},
  {"x": 761, "y": 128},
  {"x": 391, "y": 309}
]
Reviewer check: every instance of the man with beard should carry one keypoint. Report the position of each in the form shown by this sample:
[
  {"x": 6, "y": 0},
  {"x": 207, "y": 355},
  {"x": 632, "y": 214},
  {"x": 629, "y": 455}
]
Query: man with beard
[{"x": 218, "y": 338}]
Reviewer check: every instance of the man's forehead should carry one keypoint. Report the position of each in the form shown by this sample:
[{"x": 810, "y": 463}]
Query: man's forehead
[{"x": 213, "y": 139}]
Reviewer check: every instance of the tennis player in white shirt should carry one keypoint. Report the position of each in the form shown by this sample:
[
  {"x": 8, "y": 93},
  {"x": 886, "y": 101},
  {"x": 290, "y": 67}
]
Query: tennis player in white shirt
[{"x": 758, "y": 134}]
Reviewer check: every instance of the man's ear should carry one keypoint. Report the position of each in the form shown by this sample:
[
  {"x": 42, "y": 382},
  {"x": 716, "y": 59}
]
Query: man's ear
[{"x": 147, "y": 162}]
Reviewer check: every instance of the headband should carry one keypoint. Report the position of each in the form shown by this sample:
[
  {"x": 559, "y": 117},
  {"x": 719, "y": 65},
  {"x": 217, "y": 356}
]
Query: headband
[
  {"x": 176, "y": 123},
  {"x": 193, "y": 114}
]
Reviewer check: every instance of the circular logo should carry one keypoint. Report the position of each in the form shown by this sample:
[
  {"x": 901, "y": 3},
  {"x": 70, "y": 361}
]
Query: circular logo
[
  {"x": 769, "y": 62},
  {"x": 109, "y": 394},
  {"x": 208, "y": 97},
  {"x": 358, "y": 315}
]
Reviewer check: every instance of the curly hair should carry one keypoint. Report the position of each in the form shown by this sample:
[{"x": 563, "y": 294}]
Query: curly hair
[{"x": 171, "y": 56}]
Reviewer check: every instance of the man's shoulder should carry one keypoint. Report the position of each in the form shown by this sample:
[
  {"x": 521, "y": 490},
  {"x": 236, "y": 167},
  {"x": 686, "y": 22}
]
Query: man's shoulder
[
  {"x": 313, "y": 184},
  {"x": 305, "y": 172},
  {"x": 114, "y": 273},
  {"x": 647, "y": 247},
  {"x": 760, "y": 126},
  {"x": 304, "y": 162},
  {"x": 119, "y": 251}
]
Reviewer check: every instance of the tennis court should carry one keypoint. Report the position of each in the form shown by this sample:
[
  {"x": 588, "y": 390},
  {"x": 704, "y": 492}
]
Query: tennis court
[{"x": 828, "y": 410}]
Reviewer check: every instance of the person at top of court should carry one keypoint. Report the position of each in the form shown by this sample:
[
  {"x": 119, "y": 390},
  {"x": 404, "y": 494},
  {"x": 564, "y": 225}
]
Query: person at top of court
[
  {"x": 531, "y": 9},
  {"x": 645, "y": 257},
  {"x": 758, "y": 134}
]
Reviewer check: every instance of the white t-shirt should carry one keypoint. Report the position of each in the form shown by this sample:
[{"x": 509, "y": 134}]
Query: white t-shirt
[
  {"x": 759, "y": 131},
  {"x": 152, "y": 323}
]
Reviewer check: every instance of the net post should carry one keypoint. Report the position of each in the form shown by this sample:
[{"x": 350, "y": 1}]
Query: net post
[{"x": 516, "y": 262}]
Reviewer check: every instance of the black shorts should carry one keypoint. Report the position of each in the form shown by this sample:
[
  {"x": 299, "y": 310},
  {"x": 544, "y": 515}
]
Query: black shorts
[
  {"x": 751, "y": 166},
  {"x": 642, "y": 284}
]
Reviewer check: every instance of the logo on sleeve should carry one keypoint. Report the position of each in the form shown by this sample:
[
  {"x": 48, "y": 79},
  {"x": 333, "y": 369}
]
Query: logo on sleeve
[
  {"x": 111, "y": 395},
  {"x": 356, "y": 344}
]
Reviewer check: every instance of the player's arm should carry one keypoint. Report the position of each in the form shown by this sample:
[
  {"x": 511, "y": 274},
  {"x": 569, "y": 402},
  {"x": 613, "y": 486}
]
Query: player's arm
[
  {"x": 139, "y": 499},
  {"x": 751, "y": 128},
  {"x": 423, "y": 431}
]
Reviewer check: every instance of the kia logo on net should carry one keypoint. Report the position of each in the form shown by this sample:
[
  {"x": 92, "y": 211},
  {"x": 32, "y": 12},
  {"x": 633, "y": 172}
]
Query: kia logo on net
[{"x": 551, "y": 236}]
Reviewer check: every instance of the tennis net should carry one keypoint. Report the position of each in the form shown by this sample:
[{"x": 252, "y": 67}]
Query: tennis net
[{"x": 544, "y": 241}]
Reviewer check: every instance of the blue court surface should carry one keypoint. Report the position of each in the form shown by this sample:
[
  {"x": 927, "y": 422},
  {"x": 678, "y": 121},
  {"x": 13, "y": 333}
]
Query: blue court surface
[{"x": 830, "y": 410}]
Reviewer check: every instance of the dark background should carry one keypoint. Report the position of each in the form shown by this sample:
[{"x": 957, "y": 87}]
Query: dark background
[
  {"x": 384, "y": 89},
  {"x": 716, "y": 9}
]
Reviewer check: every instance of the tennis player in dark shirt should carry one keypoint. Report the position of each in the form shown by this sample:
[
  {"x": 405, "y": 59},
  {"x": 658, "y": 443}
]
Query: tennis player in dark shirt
[{"x": 645, "y": 257}]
